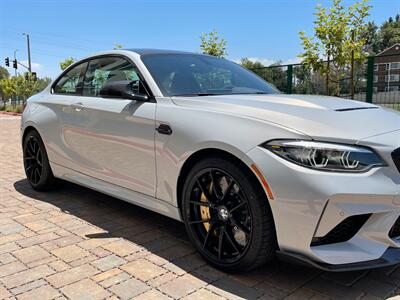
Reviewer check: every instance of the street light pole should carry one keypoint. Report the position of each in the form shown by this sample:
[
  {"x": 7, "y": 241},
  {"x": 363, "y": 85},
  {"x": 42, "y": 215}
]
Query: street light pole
[{"x": 29, "y": 52}]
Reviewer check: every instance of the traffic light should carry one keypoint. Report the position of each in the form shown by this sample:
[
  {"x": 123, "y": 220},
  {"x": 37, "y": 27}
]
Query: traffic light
[
  {"x": 7, "y": 62},
  {"x": 15, "y": 64},
  {"x": 34, "y": 76}
]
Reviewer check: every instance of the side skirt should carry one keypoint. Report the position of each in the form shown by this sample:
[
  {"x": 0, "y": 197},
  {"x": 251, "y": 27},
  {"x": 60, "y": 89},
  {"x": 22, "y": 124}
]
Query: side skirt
[{"x": 142, "y": 200}]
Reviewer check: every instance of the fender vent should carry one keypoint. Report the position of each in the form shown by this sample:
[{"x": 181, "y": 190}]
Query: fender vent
[
  {"x": 395, "y": 231},
  {"x": 342, "y": 232},
  {"x": 396, "y": 158}
]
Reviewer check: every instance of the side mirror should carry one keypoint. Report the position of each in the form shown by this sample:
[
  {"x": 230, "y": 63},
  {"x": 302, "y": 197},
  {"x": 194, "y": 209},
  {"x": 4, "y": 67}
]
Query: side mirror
[{"x": 121, "y": 89}]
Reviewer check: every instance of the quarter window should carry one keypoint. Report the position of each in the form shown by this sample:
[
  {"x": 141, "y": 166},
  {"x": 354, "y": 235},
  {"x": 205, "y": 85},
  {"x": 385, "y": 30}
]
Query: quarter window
[
  {"x": 107, "y": 69},
  {"x": 71, "y": 83}
]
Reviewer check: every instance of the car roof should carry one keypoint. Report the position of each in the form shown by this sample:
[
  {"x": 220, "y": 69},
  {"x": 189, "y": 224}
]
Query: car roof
[{"x": 146, "y": 51}]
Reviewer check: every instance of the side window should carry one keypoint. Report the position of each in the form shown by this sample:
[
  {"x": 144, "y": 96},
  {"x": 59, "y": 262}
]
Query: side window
[
  {"x": 107, "y": 69},
  {"x": 72, "y": 82}
]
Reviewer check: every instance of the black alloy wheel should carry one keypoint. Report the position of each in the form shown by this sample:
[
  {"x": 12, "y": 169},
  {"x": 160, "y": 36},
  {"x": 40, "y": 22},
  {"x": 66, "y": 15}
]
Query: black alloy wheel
[
  {"x": 36, "y": 163},
  {"x": 221, "y": 216}
]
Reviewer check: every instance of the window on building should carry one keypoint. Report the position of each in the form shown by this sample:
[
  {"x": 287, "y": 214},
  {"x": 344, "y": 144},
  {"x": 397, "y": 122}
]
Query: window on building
[
  {"x": 376, "y": 78},
  {"x": 392, "y": 78},
  {"x": 395, "y": 66},
  {"x": 375, "y": 89},
  {"x": 376, "y": 67},
  {"x": 391, "y": 88}
]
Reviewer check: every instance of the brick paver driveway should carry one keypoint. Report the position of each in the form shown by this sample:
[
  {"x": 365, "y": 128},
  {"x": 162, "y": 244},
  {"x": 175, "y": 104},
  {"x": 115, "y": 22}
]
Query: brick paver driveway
[{"x": 77, "y": 243}]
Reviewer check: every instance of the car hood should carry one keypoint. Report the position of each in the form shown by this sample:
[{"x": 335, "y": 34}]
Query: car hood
[{"x": 319, "y": 117}]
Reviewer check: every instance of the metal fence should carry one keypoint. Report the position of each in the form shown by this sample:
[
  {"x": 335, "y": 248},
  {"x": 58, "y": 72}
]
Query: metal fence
[{"x": 374, "y": 81}]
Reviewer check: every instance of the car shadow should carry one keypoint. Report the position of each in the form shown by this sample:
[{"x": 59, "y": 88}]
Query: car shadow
[{"x": 166, "y": 240}]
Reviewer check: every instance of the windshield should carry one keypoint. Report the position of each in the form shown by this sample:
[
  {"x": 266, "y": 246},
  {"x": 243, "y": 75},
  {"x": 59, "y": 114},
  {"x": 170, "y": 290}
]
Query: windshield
[{"x": 201, "y": 75}]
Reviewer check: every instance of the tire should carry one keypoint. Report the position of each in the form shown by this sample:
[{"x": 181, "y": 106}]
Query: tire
[
  {"x": 36, "y": 162},
  {"x": 238, "y": 211}
]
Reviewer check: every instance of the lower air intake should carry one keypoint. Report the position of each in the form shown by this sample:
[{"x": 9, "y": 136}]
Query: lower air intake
[
  {"x": 395, "y": 231},
  {"x": 343, "y": 232}
]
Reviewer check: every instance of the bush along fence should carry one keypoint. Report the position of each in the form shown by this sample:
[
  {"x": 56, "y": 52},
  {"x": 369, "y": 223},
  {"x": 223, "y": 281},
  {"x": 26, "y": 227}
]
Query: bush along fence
[{"x": 375, "y": 81}]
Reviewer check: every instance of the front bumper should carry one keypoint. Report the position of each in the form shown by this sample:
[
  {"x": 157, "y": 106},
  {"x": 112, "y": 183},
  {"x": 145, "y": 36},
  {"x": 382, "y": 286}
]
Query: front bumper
[{"x": 309, "y": 204}]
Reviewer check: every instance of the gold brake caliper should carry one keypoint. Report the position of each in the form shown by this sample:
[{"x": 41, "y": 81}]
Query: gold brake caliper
[{"x": 204, "y": 210}]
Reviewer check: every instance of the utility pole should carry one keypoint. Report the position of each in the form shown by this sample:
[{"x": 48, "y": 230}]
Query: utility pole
[
  {"x": 29, "y": 52},
  {"x": 15, "y": 58}
]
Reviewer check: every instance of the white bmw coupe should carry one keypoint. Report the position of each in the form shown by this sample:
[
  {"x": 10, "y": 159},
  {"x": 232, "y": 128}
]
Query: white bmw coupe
[{"x": 250, "y": 171}]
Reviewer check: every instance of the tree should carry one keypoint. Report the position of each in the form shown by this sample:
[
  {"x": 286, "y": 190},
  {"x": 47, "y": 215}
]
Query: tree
[
  {"x": 212, "y": 44},
  {"x": 19, "y": 87},
  {"x": 66, "y": 63},
  {"x": 379, "y": 38},
  {"x": 118, "y": 46},
  {"x": 389, "y": 33},
  {"x": 338, "y": 36},
  {"x": 4, "y": 73}
]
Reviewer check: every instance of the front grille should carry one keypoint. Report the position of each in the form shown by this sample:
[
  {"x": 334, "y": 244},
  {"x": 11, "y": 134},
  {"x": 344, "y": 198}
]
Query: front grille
[
  {"x": 395, "y": 231},
  {"x": 342, "y": 232},
  {"x": 396, "y": 158}
]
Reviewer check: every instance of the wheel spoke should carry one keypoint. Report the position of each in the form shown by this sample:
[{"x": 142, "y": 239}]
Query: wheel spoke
[
  {"x": 220, "y": 240},
  {"x": 234, "y": 244},
  {"x": 204, "y": 189},
  {"x": 199, "y": 221},
  {"x": 228, "y": 190},
  {"x": 214, "y": 185},
  {"x": 240, "y": 226},
  {"x": 237, "y": 206},
  {"x": 209, "y": 233}
]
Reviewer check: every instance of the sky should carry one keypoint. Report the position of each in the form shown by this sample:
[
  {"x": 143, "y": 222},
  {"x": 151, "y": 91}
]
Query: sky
[{"x": 259, "y": 29}]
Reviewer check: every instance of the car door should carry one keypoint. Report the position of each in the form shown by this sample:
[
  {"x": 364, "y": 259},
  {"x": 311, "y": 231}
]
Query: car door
[
  {"x": 61, "y": 102},
  {"x": 115, "y": 137}
]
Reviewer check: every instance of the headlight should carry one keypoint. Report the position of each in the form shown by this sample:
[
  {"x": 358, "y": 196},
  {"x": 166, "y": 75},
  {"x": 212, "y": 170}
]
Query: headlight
[{"x": 326, "y": 156}]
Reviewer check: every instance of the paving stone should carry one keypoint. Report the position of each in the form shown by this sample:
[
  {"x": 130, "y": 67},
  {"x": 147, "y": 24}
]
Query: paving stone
[
  {"x": 26, "y": 276},
  {"x": 11, "y": 268},
  {"x": 86, "y": 290},
  {"x": 121, "y": 247},
  {"x": 10, "y": 247},
  {"x": 113, "y": 280},
  {"x": 182, "y": 286},
  {"x": 31, "y": 254},
  {"x": 334, "y": 290},
  {"x": 375, "y": 287},
  {"x": 28, "y": 286},
  {"x": 45, "y": 292},
  {"x": 231, "y": 289},
  {"x": 153, "y": 294},
  {"x": 105, "y": 275},
  {"x": 10, "y": 228},
  {"x": 203, "y": 294},
  {"x": 108, "y": 262},
  {"x": 39, "y": 225},
  {"x": 70, "y": 253},
  {"x": 143, "y": 269},
  {"x": 71, "y": 275},
  {"x": 129, "y": 288},
  {"x": 37, "y": 239}
]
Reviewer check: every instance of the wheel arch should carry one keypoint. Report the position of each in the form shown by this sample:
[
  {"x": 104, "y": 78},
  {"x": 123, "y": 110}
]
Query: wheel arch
[{"x": 207, "y": 153}]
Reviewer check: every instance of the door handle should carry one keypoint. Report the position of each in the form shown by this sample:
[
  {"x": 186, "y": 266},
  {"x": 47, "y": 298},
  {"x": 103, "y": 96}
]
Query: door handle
[
  {"x": 77, "y": 106},
  {"x": 164, "y": 129}
]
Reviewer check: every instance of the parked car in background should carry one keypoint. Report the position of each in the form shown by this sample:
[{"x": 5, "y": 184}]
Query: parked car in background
[{"x": 250, "y": 171}]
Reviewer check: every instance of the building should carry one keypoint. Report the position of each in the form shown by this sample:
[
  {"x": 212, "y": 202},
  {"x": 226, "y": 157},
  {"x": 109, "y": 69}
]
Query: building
[{"x": 387, "y": 70}]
